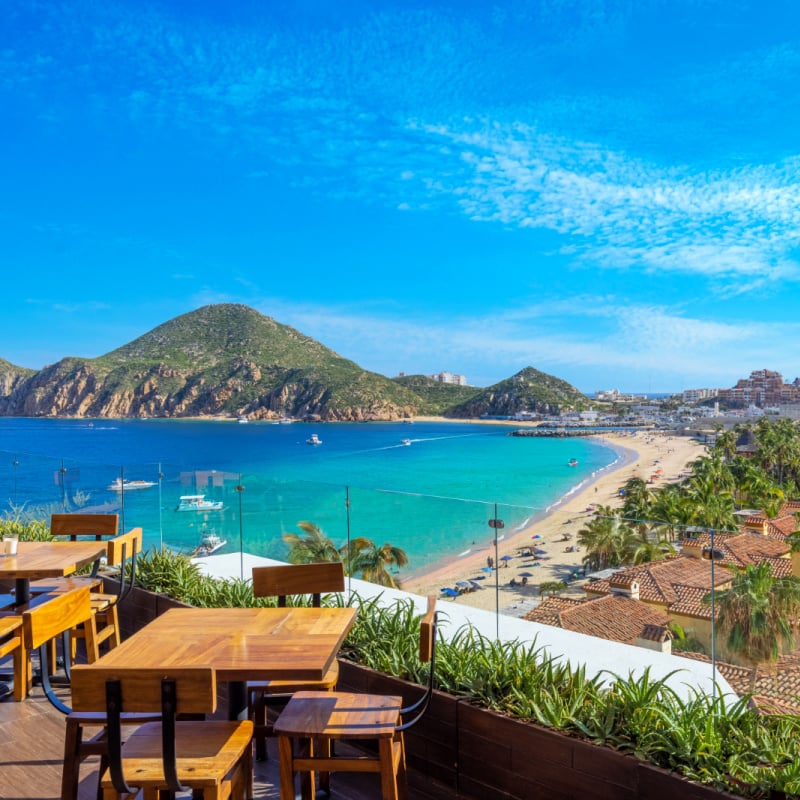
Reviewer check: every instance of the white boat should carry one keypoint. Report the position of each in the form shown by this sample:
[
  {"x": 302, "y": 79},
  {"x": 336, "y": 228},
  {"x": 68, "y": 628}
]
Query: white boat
[
  {"x": 198, "y": 502},
  {"x": 285, "y": 421},
  {"x": 120, "y": 485},
  {"x": 313, "y": 439},
  {"x": 405, "y": 442},
  {"x": 209, "y": 544},
  {"x": 243, "y": 420}
]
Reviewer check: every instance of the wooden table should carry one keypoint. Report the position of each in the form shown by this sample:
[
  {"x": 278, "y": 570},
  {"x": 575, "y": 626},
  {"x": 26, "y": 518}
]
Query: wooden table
[
  {"x": 241, "y": 643},
  {"x": 47, "y": 560}
]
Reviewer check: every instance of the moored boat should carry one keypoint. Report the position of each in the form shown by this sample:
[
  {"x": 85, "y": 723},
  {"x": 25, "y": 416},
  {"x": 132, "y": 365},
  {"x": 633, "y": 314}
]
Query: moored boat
[
  {"x": 209, "y": 544},
  {"x": 198, "y": 502},
  {"x": 313, "y": 439}
]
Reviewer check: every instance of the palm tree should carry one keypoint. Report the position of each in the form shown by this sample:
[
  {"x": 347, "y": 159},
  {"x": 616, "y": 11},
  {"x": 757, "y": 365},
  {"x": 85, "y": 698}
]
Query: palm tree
[
  {"x": 311, "y": 547},
  {"x": 759, "y": 613},
  {"x": 373, "y": 562},
  {"x": 648, "y": 546},
  {"x": 638, "y": 499},
  {"x": 551, "y": 587},
  {"x": 606, "y": 538}
]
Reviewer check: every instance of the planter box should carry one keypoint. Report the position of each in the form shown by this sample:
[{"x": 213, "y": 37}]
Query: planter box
[
  {"x": 480, "y": 754},
  {"x": 464, "y": 752}
]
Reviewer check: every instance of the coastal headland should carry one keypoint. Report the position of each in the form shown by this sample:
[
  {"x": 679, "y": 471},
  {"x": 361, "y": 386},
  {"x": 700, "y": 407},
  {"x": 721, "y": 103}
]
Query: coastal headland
[{"x": 650, "y": 455}]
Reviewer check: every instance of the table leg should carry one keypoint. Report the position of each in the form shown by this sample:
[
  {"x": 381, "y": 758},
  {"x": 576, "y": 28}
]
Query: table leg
[
  {"x": 22, "y": 591},
  {"x": 237, "y": 700}
]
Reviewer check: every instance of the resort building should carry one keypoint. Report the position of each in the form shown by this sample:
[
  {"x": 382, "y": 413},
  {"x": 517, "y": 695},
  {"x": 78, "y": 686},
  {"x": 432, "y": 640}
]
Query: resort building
[{"x": 450, "y": 377}]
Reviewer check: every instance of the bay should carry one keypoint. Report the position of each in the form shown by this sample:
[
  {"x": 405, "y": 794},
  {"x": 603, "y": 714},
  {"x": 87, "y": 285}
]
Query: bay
[{"x": 433, "y": 497}]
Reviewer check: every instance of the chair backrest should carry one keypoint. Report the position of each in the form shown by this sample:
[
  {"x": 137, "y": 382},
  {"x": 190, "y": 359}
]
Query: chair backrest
[
  {"x": 120, "y": 550},
  {"x": 292, "y": 579},
  {"x": 100, "y": 526},
  {"x": 59, "y": 613},
  {"x": 170, "y": 690},
  {"x": 427, "y": 654},
  {"x": 141, "y": 688}
]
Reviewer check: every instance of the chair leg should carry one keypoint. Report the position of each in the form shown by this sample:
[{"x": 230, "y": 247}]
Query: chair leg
[
  {"x": 70, "y": 772},
  {"x": 402, "y": 775},
  {"x": 388, "y": 774},
  {"x": 287, "y": 773}
]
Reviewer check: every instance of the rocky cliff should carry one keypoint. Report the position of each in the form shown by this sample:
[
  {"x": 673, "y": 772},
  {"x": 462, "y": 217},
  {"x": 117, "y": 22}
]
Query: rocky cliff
[{"x": 222, "y": 359}]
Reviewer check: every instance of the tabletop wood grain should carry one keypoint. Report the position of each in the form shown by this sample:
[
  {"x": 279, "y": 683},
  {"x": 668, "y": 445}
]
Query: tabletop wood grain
[
  {"x": 240, "y": 643},
  {"x": 49, "y": 559}
]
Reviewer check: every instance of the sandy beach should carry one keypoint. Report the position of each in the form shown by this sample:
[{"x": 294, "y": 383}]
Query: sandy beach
[{"x": 554, "y": 532}]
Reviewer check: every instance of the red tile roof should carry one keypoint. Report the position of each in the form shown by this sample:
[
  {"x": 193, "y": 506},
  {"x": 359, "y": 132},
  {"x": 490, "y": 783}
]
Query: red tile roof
[
  {"x": 617, "y": 618},
  {"x": 659, "y": 580}
]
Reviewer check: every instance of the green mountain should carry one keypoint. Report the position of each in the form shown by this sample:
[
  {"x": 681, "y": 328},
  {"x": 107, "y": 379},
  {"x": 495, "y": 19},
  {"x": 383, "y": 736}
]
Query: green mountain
[
  {"x": 528, "y": 390},
  {"x": 220, "y": 359}
]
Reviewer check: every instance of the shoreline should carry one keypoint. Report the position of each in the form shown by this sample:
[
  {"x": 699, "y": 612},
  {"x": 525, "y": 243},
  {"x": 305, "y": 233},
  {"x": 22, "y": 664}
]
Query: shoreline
[{"x": 553, "y": 531}]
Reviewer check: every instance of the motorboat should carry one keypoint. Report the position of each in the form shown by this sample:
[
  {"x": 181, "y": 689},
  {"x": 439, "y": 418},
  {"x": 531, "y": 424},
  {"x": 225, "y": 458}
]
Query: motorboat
[
  {"x": 124, "y": 485},
  {"x": 209, "y": 544},
  {"x": 198, "y": 502},
  {"x": 405, "y": 442},
  {"x": 313, "y": 439},
  {"x": 573, "y": 462}
]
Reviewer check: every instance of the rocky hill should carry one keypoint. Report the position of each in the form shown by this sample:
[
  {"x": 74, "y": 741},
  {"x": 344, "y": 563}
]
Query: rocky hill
[
  {"x": 528, "y": 390},
  {"x": 220, "y": 359},
  {"x": 231, "y": 360}
]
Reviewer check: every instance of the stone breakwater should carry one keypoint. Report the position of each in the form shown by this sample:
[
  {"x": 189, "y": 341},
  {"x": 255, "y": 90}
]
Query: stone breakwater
[{"x": 566, "y": 433}]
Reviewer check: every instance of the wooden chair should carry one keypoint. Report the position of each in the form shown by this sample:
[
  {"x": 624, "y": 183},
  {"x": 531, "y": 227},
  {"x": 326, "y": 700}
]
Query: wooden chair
[
  {"x": 11, "y": 644},
  {"x": 121, "y": 551},
  {"x": 209, "y": 756},
  {"x": 311, "y": 721},
  {"x": 283, "y": 581},
  {"x": 46, "y": 619}
]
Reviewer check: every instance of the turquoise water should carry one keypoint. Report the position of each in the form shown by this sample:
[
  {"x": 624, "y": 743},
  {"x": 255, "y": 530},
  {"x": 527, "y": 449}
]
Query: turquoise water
[{"x": 433, "y": 498}]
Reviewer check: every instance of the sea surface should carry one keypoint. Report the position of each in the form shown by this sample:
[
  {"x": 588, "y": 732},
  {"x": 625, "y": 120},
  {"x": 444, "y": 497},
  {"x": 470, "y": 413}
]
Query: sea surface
[{"x": 433, "y": 497}]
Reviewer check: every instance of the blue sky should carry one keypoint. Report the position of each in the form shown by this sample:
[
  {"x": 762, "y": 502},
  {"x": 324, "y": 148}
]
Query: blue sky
[{"x": 606, "y": 191}]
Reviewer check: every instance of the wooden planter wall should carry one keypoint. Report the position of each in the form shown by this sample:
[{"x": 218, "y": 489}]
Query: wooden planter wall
[{"x": 477, "y": 754}]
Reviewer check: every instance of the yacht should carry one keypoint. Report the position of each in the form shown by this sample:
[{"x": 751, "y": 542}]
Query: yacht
[
  {"x": 124, "y": 485},
  {"x": 209, "y": 544},
  {"x": 313, "y": 439},
  {"x": 198, "y": 502}
]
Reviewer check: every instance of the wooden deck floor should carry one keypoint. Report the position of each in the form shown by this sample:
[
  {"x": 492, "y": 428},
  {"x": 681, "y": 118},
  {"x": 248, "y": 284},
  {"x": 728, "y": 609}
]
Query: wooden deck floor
[{"x": 31, "y": 750}]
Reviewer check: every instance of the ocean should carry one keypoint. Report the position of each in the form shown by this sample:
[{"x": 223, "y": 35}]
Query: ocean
[{"x": 433, "y": 497}]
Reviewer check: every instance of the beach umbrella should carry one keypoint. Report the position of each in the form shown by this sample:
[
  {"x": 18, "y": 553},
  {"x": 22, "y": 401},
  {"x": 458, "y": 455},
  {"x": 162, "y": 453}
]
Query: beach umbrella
[
  {"x": 506, "y": 558},
  {"x": 476, "y": 584},
  {"x": 448, "y": 592},
  {"x": 462, "y": 583},
  {"x": 486, "y": 569},
  {"x": 479, "y": 577},
  {"x": 536, "y": 536},
  {"x": 539, "y": 551},
  {"x": 526, "y": 574}
]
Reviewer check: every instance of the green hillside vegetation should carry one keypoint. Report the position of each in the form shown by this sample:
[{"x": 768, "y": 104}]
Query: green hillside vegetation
[
  {"x": 435, "y": 397},
  {"x": 528, "y": 390}
]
